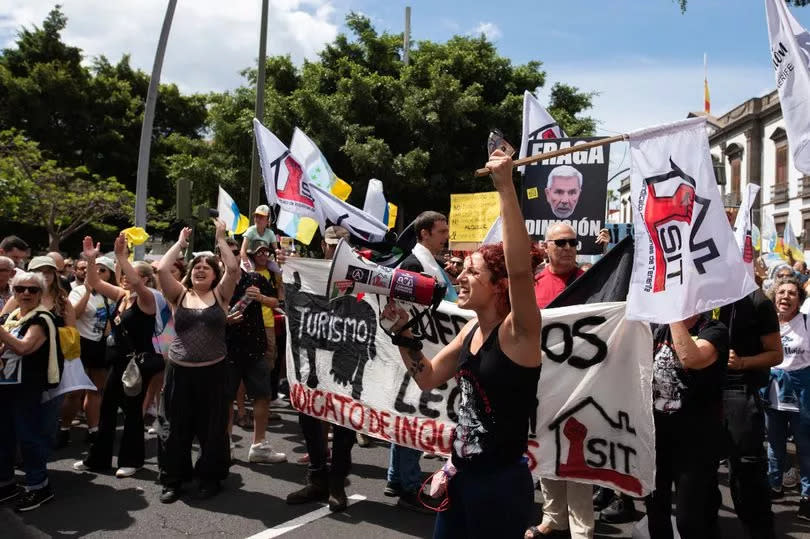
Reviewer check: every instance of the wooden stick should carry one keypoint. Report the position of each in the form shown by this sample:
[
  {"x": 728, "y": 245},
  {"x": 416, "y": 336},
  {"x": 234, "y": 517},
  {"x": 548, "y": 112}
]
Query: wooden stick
[{"x": 539, "y": 157}]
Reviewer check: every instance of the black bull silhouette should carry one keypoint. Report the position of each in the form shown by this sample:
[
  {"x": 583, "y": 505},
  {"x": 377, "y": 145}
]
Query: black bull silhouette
[{"x": 345, "y": 326}]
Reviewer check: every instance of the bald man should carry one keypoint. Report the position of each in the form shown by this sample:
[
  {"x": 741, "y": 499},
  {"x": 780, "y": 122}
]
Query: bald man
[
  {"x": 566, "y": 505},
  {"x": 561, "y": 246}
]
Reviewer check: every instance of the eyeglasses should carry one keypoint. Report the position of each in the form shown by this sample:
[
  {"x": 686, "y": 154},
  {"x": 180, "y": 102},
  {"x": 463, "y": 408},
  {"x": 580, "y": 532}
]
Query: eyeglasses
[
  {"x": 570, "y": 242},
  {"x": 30, "y": 289}
]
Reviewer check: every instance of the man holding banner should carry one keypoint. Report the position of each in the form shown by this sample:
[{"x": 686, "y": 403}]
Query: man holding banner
[{"x": 496, "y": 362}]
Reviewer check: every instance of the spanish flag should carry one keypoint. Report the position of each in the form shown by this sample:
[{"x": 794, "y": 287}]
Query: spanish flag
[{"x": 707, "y": 104}]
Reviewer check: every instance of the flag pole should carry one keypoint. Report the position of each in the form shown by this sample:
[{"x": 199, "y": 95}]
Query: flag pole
[{"x": 556, "y": 153}]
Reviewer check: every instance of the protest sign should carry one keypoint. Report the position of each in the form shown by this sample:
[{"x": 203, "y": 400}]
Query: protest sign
[
  {"x": 686, "y": 257},
  {"x": 571, "y": 188},
  {"x": 595, "y": 404},
  {"x": 472, "y": 214}
]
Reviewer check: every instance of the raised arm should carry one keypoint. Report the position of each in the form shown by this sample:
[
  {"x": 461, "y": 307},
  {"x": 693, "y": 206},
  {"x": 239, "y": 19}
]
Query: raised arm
[
  {"x": 146, "y": 301},
  {"x": 232, "y": 272},
  {"x": 524, "y": 320},
  {"x": 168, "y": 284},
  {"x": 92, "y": 279}
]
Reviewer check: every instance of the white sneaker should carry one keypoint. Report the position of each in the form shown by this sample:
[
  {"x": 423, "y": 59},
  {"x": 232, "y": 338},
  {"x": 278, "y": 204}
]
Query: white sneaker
[
  {"x": 790, "y": 478},
  {"x": 279, "y": 403},
  {"x": 125, "y": 472},
  {"x": 80, "y": 466},
  {"x": 263, "y": 452}
]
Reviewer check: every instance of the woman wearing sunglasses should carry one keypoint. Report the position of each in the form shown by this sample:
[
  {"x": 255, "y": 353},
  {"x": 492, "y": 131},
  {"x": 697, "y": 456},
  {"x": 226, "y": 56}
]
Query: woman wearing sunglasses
[{"x": 29, "y": 353}]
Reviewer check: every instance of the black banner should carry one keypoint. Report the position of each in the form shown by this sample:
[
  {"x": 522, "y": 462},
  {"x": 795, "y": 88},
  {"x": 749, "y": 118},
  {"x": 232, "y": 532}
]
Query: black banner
[{"x": 570, "y": 188}]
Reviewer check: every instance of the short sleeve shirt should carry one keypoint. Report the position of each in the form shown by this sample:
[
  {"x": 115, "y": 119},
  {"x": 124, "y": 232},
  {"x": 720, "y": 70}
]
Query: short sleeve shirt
[
  {"x": 91, "y": 322},
  {"x": 676, "y": 388},
  {"x": 248, "y": 338},
  {"x": 252, "y": 235},
  {"x": 548, "y": 285},
  {"x": 267, "y": 312}
]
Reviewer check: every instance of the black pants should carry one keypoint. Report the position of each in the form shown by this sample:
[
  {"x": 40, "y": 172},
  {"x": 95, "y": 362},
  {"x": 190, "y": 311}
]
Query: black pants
[
  {"x": 489, "y": 502},
  {"x": 194, "y": 404},
  {"x": 316, "y": 441},
  {"x": 687, "y": 447},
  {"x": 131, "y": 451},
  {"x": 744, "y": 435}
]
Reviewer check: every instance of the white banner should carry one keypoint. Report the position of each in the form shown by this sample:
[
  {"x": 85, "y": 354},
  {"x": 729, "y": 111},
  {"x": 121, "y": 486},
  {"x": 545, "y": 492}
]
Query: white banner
[
  {"x": 686, "y": 258},
  {"x": 790, "y": 56},
  {"x": 594, "y": 421},
  {"x": 537, "y": 126}
]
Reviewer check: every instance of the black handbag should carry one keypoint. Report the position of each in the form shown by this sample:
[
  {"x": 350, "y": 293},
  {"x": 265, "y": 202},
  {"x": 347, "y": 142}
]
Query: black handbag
[{"x": 149, "y": 363}]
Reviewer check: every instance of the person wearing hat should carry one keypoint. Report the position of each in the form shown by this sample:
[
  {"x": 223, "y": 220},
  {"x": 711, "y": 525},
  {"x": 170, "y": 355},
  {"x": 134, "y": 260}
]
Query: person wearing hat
[
  {"x": 93, "y": 311},
  {"x": 264, "y": 266},
  {"x": 258, "y": 231}
]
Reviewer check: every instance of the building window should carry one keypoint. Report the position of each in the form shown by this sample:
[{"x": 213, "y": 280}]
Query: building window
[
  {"x": 806, "y": 230},
  {"x": 779, "y": 223},
  {"x": 735, "y": 175},
  {"x": 734, "y": 154},
  {"x": 781, "y": 164}
]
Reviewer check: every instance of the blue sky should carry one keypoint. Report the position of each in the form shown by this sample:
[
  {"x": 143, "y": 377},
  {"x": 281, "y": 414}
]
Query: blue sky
[{"x": 643, "y": 56}]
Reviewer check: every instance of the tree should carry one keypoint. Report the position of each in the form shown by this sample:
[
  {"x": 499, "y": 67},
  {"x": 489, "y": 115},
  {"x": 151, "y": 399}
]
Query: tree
[
  {"x": 420, "y": 128},
  {"x": 63, "y": 200},
  {"x": 91, "y": 116}
]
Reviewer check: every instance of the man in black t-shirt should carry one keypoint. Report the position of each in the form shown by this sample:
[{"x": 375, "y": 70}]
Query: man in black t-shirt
[
  {"x": 755, "y": 346},
  {"x": 689, "y": 365}
]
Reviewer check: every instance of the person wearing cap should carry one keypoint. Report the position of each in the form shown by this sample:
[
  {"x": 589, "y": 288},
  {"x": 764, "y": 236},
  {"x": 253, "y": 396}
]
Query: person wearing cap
[
  {"x": 260, "y": 256},
  {"x": 258, "y": 231},
  {"x": 93, "y": 312}
]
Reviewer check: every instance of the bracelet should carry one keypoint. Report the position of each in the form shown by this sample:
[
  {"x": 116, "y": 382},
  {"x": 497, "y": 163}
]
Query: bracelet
[{"x": 406, "y": 342}]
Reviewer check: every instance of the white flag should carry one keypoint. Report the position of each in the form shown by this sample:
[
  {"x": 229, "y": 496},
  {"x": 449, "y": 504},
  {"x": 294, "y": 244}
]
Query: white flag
[
  {"x": 744, "y": 227},
  {"x": 495, "y": 232},
  {"x": 790, "y": 56},
  {"x": 537, "y": 125},
  {"x": 359, "y": 223},
  {"x": 686, "y": 258},
  {"x": 285, "y": 181}
]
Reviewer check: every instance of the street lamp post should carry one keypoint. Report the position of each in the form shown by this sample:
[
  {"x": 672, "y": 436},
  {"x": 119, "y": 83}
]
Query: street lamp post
[
  {"x": 146, "y": 129},
  {"x": 255, "y": 176}
]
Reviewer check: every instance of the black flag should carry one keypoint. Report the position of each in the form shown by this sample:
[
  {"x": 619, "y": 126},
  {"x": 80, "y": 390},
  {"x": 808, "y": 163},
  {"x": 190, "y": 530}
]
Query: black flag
[{"x": 607, "y": 280}]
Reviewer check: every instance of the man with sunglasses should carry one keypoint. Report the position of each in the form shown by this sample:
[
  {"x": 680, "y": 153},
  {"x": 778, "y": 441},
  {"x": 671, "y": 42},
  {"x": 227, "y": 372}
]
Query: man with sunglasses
[
  {"x": 561, "y": 245},
  {"x": 566, "y": 504}
]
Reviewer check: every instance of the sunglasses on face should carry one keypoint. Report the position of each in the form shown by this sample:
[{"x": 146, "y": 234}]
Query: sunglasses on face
[
  {"x": 564, "y": 242},
  {"x": 30, "y": 289}
]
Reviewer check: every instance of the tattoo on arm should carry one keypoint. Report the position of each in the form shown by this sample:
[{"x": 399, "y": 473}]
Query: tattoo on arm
[{"x": 415, "y": 361}]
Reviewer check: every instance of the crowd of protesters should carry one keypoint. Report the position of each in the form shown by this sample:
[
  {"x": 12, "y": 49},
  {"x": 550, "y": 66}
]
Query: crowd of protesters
[{"x": 88, "y": 336}]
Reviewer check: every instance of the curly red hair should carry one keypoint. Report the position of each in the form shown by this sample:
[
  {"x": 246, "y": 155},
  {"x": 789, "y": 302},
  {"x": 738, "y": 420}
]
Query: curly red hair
[{"x": 495, "y": 261}]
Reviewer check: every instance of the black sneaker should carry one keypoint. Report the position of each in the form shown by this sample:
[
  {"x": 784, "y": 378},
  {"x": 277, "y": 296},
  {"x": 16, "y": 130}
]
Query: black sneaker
[
  {"x": 10, "y": 492},
  {"x": 804, "y": 508},
  {"x": 602, "y": 498},
  {"x": 410, "y": 501},
  {"x": 170, "y": 494},
  {"x": 62, "y": 439},
  {"x": 34, "y": 498},
  {"x": 620, "y": 511},
  {"x": 91, "y": 437},
  {"x": 392, "y": 490}
]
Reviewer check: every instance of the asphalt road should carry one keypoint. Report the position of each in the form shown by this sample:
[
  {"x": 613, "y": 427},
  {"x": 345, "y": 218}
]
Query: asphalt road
[{"x": 100, "y": 505}]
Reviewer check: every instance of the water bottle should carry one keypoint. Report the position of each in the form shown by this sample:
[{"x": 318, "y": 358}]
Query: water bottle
[{"x": 241, "y": 305}]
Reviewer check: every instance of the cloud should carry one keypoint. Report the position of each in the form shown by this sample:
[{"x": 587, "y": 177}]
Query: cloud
[
  {"x": 489, "y": 29},
  {"x": 210, "y": 42},
  {"x": 647, "y": 92}
]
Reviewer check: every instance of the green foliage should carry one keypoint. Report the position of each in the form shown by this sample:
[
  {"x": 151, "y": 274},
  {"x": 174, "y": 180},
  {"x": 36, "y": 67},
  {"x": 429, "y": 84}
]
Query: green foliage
[
  {"x": 92, "y": 116},
  {"x": 420, "y": 128},
  {"x": 61, "y": 199}
]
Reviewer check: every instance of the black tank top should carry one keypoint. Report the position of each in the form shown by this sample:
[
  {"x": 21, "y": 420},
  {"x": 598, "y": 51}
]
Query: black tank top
[
  {"x": 200, "y": 333},
  {"x": 132, "y": 332},
  {"x": 497, "y": 399}
]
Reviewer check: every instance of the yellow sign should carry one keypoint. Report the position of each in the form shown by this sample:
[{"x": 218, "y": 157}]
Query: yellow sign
[
  {"x": 472, "y": 214},
  {"x": 531, "y": 193}
]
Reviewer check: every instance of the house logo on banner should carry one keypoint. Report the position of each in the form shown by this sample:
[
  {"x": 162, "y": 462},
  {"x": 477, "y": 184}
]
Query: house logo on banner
[
  {"x": 662, "y": 215},
  {"x": 570, "y": 188},
  {"x": 293, "y": 189},
  {"x": 595, "y": 458}
]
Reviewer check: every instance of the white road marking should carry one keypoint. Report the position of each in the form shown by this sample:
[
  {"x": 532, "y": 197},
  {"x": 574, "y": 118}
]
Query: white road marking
[{"x": 295, "y": 523}]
